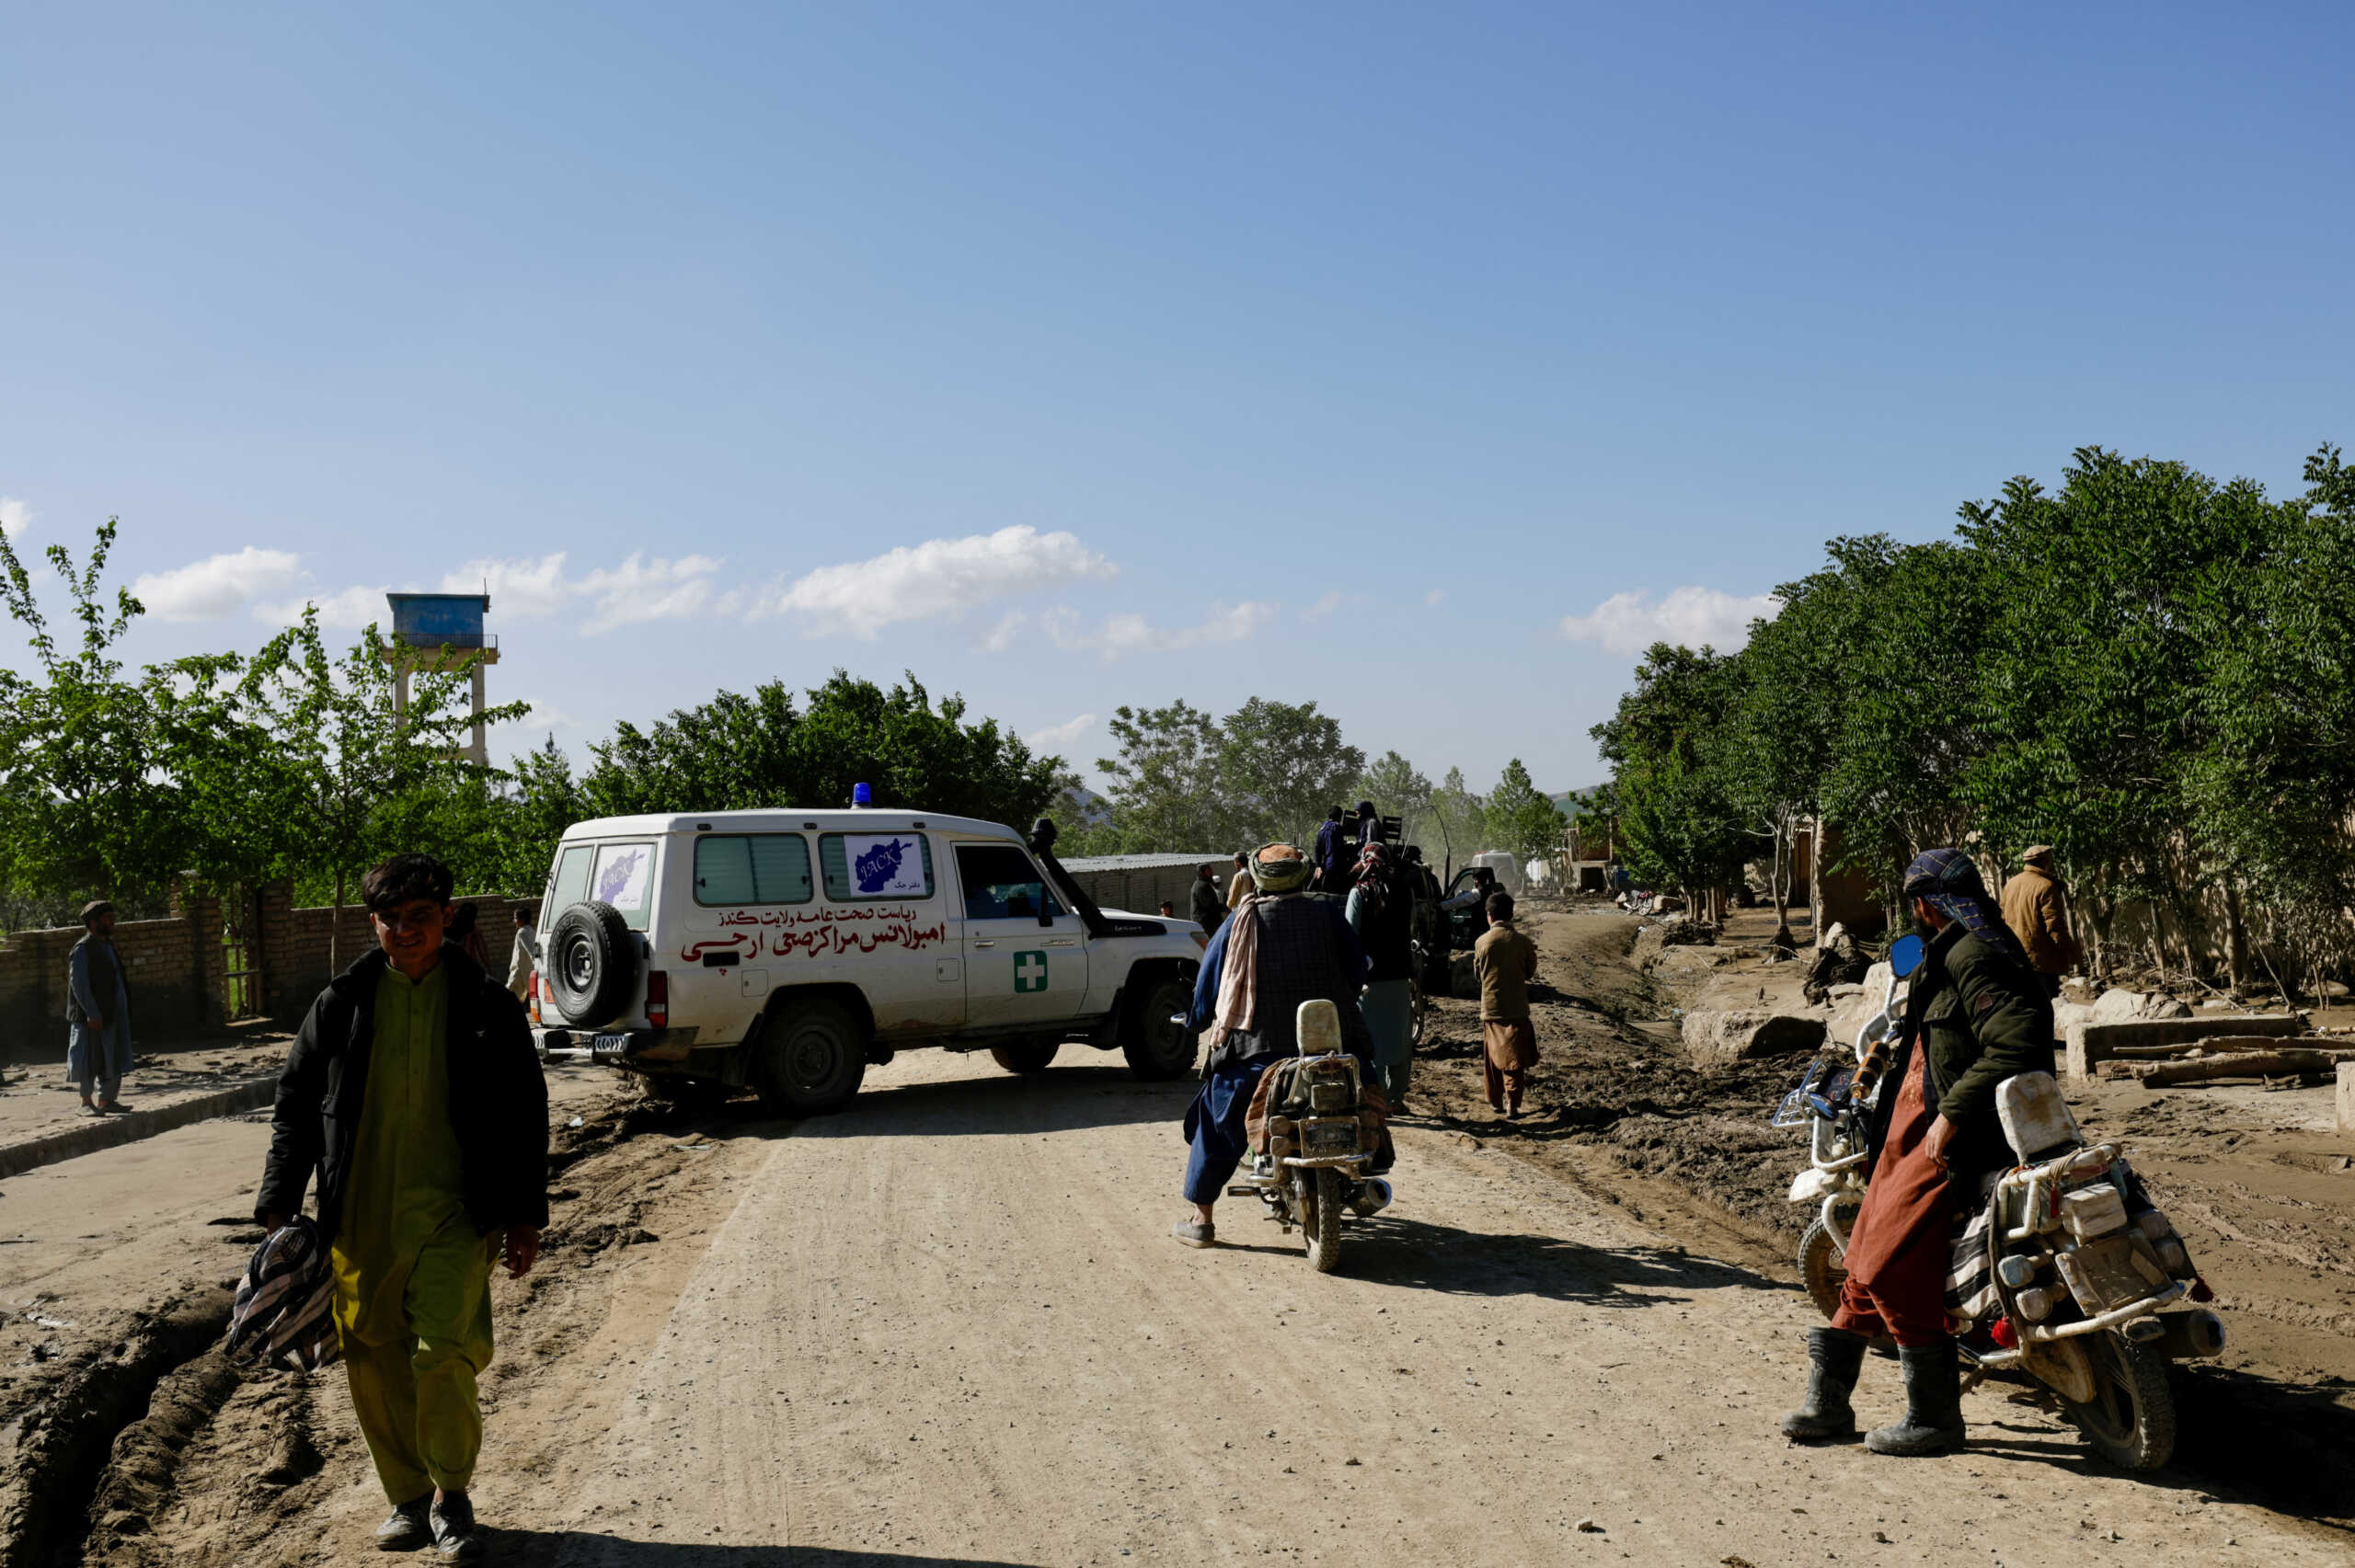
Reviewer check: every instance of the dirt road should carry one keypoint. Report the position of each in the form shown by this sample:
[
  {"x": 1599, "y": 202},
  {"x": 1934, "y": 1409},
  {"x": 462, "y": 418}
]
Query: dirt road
[{"x": 947, "y": 1326}]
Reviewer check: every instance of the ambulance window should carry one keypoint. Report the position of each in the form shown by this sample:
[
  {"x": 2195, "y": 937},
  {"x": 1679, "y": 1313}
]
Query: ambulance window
[
  {"x": 756, "y": 868},
  {"x": 571, "y": 884},
  {"x": 876, "y": 866},
  {"x": 1001, "y": 884},
  {"x": 624, "y": 878}
]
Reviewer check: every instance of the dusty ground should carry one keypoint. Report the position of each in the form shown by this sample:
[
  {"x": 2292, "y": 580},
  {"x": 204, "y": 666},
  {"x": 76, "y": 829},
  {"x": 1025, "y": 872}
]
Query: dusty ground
[
  {"x": 947, "y": 1326},
  {"x": 2257, "y": 1182},
  {"x": 38, "y": 1099}
]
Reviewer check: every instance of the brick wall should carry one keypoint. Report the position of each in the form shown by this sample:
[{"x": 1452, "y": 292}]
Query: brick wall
[
  {"x": 176, "y": 968},
  {"x": 172, "y": 967},
  {"x": 295, "y": 962}
]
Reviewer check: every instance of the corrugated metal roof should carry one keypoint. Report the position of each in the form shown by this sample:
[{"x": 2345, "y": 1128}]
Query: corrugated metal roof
[{"x": 1144, "y": 862}]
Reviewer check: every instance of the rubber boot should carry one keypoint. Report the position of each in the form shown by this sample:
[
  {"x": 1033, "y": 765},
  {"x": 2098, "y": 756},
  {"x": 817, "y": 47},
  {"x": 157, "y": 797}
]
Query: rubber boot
[
  {"x": 1835, "y": 1356},
  {"x": 1933, "y": 1423}
]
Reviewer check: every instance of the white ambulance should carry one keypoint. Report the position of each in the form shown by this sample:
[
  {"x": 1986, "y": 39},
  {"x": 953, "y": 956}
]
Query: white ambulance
[{"x": 785, "y": 950}]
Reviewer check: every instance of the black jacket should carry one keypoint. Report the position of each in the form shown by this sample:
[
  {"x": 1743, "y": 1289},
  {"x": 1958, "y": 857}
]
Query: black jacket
[
  {"x": 499, "y": 1101},
  {"x": 1982, "y": 1018},
  {"x": 1208, "y": 908}
]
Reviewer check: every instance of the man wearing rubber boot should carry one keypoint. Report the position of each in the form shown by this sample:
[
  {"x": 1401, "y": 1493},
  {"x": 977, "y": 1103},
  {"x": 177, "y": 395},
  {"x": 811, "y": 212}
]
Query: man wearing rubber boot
[
  {"x": 1275, "y": 952},
  {"x": 1975, "y": 1014},
  {"x": 416, "y": 1096}
]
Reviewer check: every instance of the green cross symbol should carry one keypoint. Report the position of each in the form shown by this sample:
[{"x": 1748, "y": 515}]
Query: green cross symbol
[{"x": 1030, "y": 971}]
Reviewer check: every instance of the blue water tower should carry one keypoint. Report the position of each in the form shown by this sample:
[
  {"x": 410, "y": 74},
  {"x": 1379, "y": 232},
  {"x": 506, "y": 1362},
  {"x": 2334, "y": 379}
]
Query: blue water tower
[{"x": 424, "y": 625}]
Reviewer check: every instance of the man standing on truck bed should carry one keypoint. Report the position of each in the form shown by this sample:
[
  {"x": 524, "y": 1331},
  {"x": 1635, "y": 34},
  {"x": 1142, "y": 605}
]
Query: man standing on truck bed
[
  {"x": 1279, "y": 950},
  {"x": 414, "y": 1093}
]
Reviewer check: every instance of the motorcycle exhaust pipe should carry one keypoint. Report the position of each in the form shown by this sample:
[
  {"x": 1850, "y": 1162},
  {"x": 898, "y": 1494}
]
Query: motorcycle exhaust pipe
[
  {"x": 2191, "y": 1336},
  {"x": 1374, "y": 1195}
]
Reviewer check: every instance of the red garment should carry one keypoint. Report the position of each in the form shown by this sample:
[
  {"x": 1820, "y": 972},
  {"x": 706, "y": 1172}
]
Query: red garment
[{"x": 1898, "y": 1251}]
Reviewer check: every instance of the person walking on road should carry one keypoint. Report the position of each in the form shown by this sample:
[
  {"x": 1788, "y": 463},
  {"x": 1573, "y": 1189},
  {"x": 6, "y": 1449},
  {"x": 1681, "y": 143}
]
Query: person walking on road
[
  {"x": 1209, "y": 910},
  {"x": 1279, "y": 950},
  {"x": 415, "y": 1095},
  {"x": 1506, "y": 962},
  {"x": 2037, "y": 914},
  {"x": 1381, "y": 910},
  {"x": 97, "y": 1014},
  {"x": 523, "y": 962},
  {"x": 1975, "y": 1014}
]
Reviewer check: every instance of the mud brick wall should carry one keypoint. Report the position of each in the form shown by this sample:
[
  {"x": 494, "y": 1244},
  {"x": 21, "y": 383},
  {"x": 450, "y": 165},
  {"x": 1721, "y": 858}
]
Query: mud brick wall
[
  {"x": 177, "y": 968},
  {"x": 295, "y": 962},
  {"x": 172, "y": 967}
]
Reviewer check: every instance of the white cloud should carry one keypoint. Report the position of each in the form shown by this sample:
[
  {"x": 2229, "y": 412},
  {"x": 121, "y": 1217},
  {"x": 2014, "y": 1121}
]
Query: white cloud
[
  {"x": 1057, "y": 738},
  {"x": 1630, "y": 623},
  {"x": 16, "y": 519},
  {"x": 1323, "y": 609},
  {"x": 218, "y": 585},
  {"x": 1001, "y": 635},
  {"x": 1127, "y": 634},
  {"x": 543, "y": 718},
  {"x": 641, "y": 590},
  {"x": 936, "y": 578},
  {"x": 516, "y": 587},
  {"x": 350, "y": 607}
]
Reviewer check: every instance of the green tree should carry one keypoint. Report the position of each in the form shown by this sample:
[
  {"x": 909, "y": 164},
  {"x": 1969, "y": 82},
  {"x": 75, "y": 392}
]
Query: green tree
[
  {"x": 1680, "y": 826},
  {"x": 1280, "y": 766},
  {"x": 350, "y": 768},
  {"x": 1399, "y": 789},
  {"x": 1522, "y": 819},
  {"x": 1163, "y": 785},
  {"x": 740, "y": 752},
  {"x": 87, "y": 807},
  {"x": 1458, "y": 816}
]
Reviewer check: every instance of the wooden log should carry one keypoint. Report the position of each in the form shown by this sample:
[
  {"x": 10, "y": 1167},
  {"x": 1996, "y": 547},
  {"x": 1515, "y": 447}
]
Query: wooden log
[
  {"x": 2233, "y": 1064},
  {"x": 2215, "y": 1044}
]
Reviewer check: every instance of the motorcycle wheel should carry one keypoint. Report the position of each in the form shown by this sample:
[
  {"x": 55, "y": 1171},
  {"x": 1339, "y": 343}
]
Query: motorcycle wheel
[
  {"x": 1322, "y": 1223},
  {"x": 2130, "y": 1421},
  {"x": 1418, "y": 1010},
  {"x": 1822, "y": 1267}
]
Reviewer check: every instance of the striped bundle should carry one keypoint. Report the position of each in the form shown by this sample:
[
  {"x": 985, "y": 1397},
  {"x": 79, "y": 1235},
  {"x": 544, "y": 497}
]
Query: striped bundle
[{"x": 285, "y": 1307}]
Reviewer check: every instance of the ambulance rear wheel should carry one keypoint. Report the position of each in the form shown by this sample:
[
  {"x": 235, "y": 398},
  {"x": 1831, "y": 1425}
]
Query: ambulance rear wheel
[{"x": 813, "y": 1057}]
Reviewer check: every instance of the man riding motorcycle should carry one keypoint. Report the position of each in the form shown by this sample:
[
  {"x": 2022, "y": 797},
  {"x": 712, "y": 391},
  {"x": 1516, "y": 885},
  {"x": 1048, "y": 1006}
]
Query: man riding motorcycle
[
  {"x": 1975, "y": 1014},
  {"x": 1278, "y": 950}
]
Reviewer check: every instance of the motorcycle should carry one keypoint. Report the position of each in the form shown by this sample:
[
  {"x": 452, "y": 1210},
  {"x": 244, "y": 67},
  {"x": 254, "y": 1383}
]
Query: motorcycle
[
  {"x": 2078, "y": 1260},
  {"x": 1318, "y": 1154}
]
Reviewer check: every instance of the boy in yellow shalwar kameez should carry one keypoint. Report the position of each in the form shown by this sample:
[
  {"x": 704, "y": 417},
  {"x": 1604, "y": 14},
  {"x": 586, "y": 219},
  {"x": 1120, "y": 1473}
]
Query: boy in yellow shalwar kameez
[{"x": 415, "y": 1090}]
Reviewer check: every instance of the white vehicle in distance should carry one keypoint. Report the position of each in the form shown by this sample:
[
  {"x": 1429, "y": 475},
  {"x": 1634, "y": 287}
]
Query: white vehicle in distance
[{"x": 785, "y": 950}]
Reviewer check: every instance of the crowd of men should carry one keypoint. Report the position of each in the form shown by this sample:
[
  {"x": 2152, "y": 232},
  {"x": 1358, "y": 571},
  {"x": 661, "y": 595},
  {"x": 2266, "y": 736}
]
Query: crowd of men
[{"x": 412, "y": 1111}]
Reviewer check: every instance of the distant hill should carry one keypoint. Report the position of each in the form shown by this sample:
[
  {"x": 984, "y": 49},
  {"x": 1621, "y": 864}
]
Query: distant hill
[{"x": 1089, "y": 807}]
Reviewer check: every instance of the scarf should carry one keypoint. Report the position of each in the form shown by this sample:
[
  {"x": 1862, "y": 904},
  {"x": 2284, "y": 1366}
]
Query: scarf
[{"x": 1949, "y": 880}]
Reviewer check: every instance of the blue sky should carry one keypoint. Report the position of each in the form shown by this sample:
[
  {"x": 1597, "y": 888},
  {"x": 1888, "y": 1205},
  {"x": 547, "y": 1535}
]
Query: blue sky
[{"x": 1359, "y": 353}]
